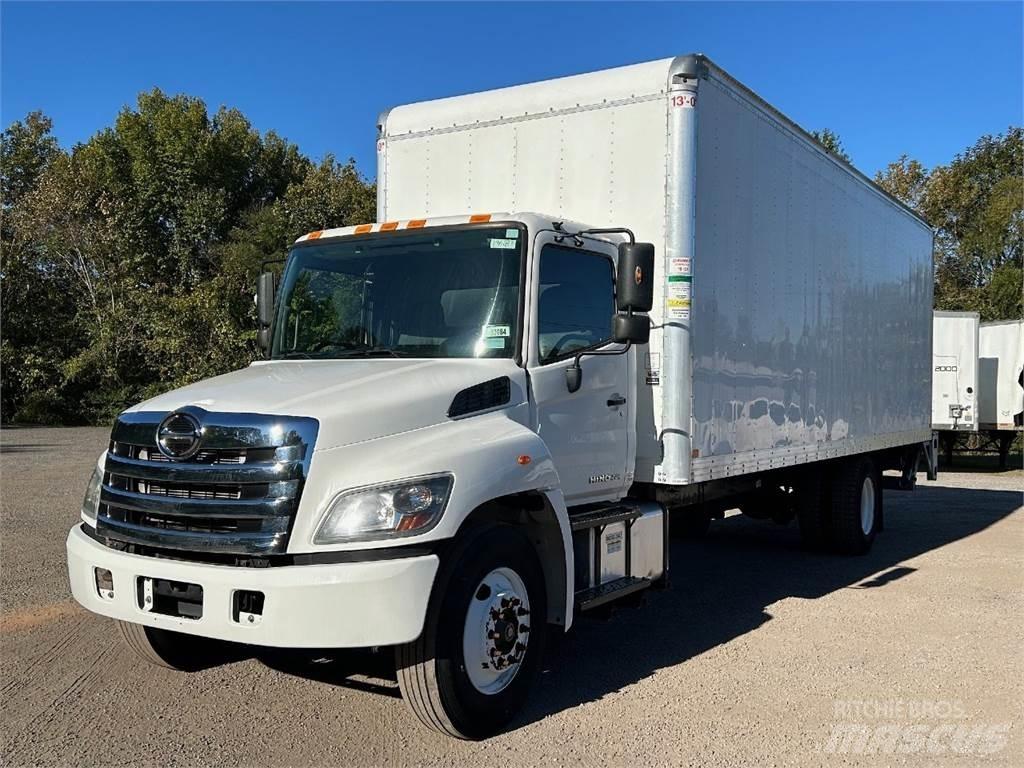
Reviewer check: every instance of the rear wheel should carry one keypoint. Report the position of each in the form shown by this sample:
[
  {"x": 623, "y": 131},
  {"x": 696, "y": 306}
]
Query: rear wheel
[
  {"x": 173, "y": 650},
  {"x": 856, "y": 505},
  {"x": 480, "y": 651}
]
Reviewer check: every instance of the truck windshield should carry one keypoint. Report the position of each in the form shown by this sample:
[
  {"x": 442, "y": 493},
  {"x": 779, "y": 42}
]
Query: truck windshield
[{"x": 453, "y": 293}]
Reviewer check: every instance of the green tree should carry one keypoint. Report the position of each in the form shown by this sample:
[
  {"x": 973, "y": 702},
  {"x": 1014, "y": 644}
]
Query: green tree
[
  {"x": 976, "y": 206},
  {"x": 831, "y": 142},
  {"x": 130, "y": 261},
  {"x": 906, "y": 180},
  {"x": 27, "y": 148},
  {"x": 36, "y": 323}
]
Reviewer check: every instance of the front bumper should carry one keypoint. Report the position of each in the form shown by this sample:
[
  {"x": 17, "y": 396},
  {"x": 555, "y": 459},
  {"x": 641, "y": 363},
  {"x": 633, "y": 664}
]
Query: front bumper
[{"x": 345, "y": 605}]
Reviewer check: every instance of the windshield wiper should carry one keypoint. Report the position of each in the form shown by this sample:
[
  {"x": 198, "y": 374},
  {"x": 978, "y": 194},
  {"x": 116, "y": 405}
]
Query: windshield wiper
[{"x": 371, "y": 352}]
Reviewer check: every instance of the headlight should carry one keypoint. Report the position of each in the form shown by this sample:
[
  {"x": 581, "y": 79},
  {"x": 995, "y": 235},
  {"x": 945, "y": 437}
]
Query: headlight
[
  {"x": 398, "y": 509},
  {"x": 91, "y": 502}
]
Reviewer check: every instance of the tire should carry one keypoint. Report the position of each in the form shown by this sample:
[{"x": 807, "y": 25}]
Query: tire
[
  {"x": 172, "y": 650},
  {"x": 433, "y": 670},
  {"x": 813, "y": 505},
  {"x": 856, "y": 505}
]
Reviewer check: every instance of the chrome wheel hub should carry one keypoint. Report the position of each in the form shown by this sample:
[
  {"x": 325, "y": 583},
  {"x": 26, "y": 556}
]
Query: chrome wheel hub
[
  {"x": 496, "y": 631},
  {"x": 867, "y": 506}
]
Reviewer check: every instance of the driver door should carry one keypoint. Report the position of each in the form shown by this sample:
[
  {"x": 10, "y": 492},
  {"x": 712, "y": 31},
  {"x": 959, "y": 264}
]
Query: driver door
[{"x": 587, "y": 431}]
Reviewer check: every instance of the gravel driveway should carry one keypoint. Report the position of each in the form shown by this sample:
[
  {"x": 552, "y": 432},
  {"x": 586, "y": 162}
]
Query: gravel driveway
[{"x": 760, "y": 654}]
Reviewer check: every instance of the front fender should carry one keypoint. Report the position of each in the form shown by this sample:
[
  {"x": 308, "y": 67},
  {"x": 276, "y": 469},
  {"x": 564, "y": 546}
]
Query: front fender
[{"x": 482, "y": 452}]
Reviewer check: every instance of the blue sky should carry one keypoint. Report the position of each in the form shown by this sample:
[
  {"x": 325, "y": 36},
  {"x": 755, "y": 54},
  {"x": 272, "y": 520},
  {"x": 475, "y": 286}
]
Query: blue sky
[{"x": 922, "y": 78}]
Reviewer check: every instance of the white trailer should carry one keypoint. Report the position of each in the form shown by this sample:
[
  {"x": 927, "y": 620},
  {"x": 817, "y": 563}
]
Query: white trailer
[
  {"x": 955, "y": 398},
  {"x": 587, "y": 303},
  {"x": 1001, "y": 382},
  {"x": 1000, "y": 367}
]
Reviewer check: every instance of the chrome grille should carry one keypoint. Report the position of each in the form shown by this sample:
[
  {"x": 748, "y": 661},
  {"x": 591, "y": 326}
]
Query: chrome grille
[{"x": 237, "y": 494}]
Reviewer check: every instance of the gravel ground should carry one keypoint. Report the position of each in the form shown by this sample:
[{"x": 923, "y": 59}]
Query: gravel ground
[{"x": 760, "y": 654}]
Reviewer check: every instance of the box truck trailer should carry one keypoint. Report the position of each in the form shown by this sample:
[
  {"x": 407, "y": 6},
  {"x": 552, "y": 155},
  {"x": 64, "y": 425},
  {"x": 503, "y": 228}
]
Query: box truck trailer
[
  {"x": 587, "y": 305},
  {"x": 955, "y": 373},
  {"x": 1001, "y": 382}
]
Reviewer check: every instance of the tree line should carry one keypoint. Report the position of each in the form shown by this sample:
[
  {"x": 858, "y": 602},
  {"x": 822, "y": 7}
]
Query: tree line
[{"x": 127, "y": 263}]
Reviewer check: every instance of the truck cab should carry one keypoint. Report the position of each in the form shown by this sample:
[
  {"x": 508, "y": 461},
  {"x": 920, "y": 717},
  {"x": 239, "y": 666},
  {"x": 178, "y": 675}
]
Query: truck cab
[{"x": 436, "y": 396}]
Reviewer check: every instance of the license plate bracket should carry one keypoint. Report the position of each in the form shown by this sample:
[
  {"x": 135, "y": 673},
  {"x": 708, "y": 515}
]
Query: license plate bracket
[{"x": 170, "y": 598}]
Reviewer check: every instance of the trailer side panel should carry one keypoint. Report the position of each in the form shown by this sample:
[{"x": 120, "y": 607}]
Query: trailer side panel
[
  {"x": 812, "y": 299},
  {"x": 1001, "y": 375}
]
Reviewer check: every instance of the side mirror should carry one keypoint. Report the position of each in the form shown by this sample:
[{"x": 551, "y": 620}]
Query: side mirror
[
  {"x": 634, "y": 279},
  {"x": 631, "y": 329},
  {"x": 573, "y": 376},
  {"x": 265, "y": 289}
]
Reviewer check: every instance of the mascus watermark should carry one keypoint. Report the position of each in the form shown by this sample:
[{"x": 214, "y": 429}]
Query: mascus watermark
[{"x": 908, "y": 727}]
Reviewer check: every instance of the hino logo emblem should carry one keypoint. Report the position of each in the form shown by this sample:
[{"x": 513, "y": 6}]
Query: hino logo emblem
[{"x": 178, "y": 436}]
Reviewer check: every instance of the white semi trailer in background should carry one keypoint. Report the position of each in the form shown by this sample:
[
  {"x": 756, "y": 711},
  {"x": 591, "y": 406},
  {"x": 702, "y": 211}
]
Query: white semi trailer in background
[
  {"x": 1001, "y": 382},
  {"x": 471, "y": 426},
  {"x": 954, "y": 377}
]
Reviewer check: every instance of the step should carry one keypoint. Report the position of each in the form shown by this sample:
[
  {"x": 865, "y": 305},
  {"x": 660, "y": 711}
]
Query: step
[
  {"x": 603, "y": 516},
  {"x": 612, "y": 590}
]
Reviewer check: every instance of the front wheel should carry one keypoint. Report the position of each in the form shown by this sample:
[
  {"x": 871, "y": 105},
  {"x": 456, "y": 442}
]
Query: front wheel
[
  {"x": 480, "y": 651},
  {"x": 173, "y": 650}
]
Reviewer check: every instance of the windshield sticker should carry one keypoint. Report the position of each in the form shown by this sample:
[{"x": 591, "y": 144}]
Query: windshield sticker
[
  {"x": 512, "y": 233},
  {"x": 502, "y": 242},
  {"x": 495, "y": 342},
  {"x": 496, "y": 331}
]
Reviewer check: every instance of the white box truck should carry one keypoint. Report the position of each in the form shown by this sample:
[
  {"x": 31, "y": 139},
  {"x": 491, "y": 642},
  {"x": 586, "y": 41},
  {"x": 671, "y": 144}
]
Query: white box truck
[
  {"x": 471, "y": 425},
  {"x": 955, "y": 372},
  {"x": 1001, "y": 382}
]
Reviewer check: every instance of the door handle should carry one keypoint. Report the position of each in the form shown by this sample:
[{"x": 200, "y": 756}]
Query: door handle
[{"x": 616, "y": 400}]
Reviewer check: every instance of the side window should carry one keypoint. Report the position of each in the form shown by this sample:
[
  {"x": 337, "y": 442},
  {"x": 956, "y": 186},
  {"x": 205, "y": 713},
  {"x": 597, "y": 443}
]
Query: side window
[{"x": 577, "y": 301}]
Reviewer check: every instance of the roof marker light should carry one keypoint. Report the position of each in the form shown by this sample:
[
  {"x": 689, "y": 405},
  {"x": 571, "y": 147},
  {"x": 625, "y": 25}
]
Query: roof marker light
[
  {"x": 387, "y": 226},
  {"x": 362, "y": 229},
  {"x": 416, "y": 224},
  {"x": 478, "y": 218},
  {"x": 314, "y": 235}
]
